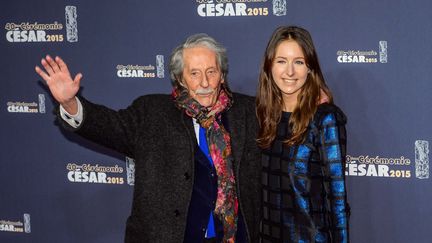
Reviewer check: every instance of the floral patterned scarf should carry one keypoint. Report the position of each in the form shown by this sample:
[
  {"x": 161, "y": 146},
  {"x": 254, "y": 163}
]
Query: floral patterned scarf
[{"x": 218, "y": 140}]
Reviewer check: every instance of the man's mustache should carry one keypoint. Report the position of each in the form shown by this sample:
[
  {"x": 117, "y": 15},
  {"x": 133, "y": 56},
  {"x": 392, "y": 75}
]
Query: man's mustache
[{"x": 204, "y": 91}]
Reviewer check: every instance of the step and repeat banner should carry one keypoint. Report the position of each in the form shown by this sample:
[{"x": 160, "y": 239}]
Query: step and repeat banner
[{"x": 376, "y": 57}]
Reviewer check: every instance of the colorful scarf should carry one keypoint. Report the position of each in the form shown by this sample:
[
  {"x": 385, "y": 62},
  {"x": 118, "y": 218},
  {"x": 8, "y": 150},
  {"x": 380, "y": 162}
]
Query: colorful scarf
[{"x": 218, "y": 140}]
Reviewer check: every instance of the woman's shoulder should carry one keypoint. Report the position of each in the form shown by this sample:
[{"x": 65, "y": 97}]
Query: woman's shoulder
[{"x": 327, "y": 114}]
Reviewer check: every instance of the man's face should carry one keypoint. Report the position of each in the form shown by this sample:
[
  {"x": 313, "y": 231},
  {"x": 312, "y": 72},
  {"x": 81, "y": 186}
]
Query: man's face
[{"x": 202, "y": 75}]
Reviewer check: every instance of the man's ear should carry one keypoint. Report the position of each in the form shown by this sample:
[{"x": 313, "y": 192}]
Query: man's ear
[{"x": 181, "y": 82}]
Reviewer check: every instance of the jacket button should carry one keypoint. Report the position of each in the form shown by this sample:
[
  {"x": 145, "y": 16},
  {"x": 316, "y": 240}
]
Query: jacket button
[
  {"x": 176, "y": 213},
  {"x": 186, "y": 176}
]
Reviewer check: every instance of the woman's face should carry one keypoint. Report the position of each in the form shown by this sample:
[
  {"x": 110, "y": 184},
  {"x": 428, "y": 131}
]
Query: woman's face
[{"x": 289, "y": 69}]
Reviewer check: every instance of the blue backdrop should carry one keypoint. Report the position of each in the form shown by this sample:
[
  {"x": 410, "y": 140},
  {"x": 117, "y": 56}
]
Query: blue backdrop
[{"x": 376, "y": 57}]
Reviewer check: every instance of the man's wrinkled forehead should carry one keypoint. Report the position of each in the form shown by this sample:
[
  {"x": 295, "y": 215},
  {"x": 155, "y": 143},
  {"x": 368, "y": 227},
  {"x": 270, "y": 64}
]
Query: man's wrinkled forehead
[{"x": 199, "y": 57}]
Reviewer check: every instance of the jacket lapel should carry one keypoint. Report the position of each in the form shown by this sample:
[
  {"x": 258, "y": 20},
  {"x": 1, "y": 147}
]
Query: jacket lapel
[{"x": 188, "y": 124}]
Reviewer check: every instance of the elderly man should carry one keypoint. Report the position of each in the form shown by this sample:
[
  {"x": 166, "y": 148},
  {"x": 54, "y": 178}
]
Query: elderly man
[{"x": 197, "y": 174}]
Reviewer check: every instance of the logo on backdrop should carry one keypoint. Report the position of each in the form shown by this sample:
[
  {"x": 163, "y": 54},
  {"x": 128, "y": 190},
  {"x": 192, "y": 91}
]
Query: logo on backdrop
[
  {"x": 399, "y": 167},
  {"x": 16, "y": 226},
  {"x": 27, "y": 107},
  {"x": 422, "y": 159},
  {"x": 33, "y": 31},
  {"x": 232, "y": 8},
  {"x": 88, "y": 173},
  {"x": 71, "y": 24},
  {"x": 160, "y": 71},
  {"x": 130, "y": 171},
  {"x": 279, "y": 7},
  {"x": 142, "y": 71},
  {"x": 364, "y": 56}
]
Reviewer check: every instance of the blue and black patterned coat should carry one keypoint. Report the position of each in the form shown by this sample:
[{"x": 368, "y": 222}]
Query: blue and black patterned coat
[{"x": 304, "y": 190}]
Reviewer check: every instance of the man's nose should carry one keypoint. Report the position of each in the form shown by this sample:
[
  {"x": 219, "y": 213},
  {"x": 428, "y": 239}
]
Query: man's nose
[{"x": 204, "y": 81}]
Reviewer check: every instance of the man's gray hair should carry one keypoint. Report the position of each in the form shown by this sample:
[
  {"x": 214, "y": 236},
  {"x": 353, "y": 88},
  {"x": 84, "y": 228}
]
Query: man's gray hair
[{"x": 202, "y": 40}]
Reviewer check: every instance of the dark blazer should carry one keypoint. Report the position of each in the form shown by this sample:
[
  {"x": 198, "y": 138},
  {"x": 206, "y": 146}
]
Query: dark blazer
[{"x": 162, "y": 141}]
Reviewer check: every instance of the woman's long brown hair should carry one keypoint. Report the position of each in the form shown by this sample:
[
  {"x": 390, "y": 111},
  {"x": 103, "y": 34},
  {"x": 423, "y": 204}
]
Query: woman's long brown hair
[{"x": 269, "y": 101}]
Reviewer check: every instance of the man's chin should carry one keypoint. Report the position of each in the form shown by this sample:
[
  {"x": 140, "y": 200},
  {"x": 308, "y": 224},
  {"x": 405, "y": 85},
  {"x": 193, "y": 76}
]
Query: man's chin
[{"x": 206, "y": 102}]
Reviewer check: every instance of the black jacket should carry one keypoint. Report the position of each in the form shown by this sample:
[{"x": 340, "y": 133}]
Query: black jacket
[{"x": 162, "y": 140}]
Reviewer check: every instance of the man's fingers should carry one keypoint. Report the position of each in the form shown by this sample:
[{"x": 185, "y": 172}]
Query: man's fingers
[
  {"x": 43, "y": 74},
  {"x": 53, "y": 64},
  {"x": 62, "y": 65},
  {"x": 47, "y": 66},
  {"x": 77, "y": 79}
]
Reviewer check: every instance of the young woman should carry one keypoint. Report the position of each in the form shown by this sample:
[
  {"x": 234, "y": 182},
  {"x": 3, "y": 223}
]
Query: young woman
[{"x": 303, "y": 143}]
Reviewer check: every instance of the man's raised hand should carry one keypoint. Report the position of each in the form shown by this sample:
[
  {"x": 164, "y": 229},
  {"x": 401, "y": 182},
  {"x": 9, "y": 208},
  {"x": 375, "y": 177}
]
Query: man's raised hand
[{"x": 60, "y": 83}]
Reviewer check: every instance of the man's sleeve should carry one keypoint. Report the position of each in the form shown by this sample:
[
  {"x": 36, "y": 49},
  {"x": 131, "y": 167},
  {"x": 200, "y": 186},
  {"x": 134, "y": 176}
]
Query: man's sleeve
[{"x": 73, "y": 120}]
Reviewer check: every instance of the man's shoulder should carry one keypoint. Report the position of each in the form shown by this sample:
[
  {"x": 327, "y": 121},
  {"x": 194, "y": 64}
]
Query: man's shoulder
[
  {"x": 155, "y": 97},
  {"x": 243, "y": 96},
  {"x": 154, "y": 100},
  {"x": 243, "y": 106},
  {"x": 243, "y": 99}
]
